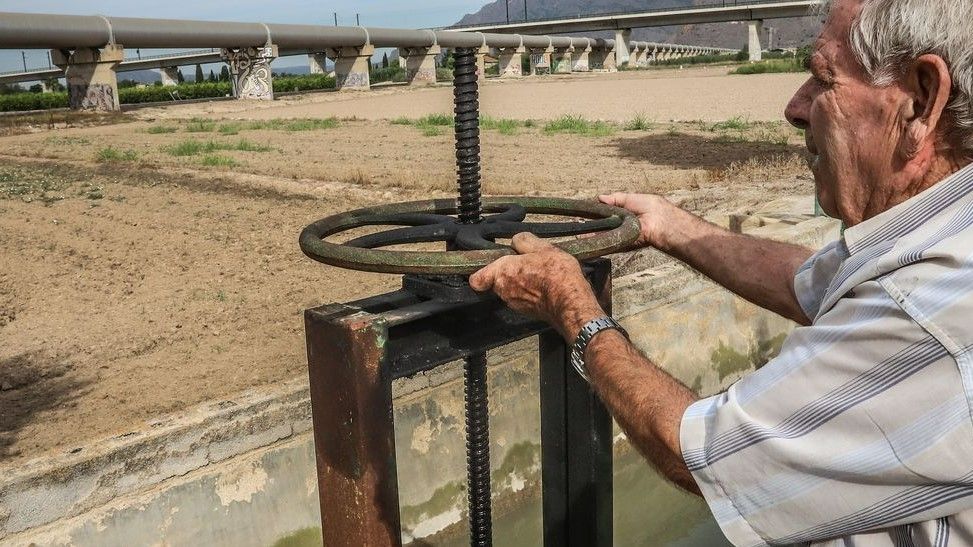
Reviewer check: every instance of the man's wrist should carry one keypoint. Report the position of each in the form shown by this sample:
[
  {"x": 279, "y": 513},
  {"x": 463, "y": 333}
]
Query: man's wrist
[{"x": 575, "y": 318}]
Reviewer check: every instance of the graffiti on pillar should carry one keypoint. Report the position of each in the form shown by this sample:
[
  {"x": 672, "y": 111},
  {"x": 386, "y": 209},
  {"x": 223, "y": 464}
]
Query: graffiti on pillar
[
  {"x": 352, "y": 80},
  {"x": 92, "y": 97},
  {"x": 250, "y": 70}
]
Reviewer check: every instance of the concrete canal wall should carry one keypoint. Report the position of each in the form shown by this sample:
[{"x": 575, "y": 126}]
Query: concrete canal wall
[{"x": 241, "y": 472}]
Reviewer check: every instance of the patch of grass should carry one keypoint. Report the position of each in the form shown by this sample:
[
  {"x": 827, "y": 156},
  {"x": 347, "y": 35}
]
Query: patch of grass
[
  {"x": 160, "y": 129},
  {"x": 577, "y": 125},
  {"x": 217, "y": 160},
  {"x": 431, "y": 130},
  {"x": 189, "y": 147},
  {"x": 299, "y": 124},
  {"x": 771, "y": 66},
  {"x": 439, "y": 120},
  {"x": 639, "y": 123},
  {"x": 504, "y": 126},
  {"x": 402, "y": 120},
  {"x": 243, "y": 145},
  {"x": 200, "y": 125},
  {"x": 110, "y": 154},
  {"x": 736, "y": 123},
  {"x": 232, "y": 128},
  {"x": 193, "y": 147}
]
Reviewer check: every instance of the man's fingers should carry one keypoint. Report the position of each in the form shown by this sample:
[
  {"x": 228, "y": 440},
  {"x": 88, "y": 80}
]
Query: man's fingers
[
  {"x": 617, "y": 199},
  {"x": 486, "y": 278},
  {"x": 483, "y": 280},
  {"x": 526, "y": 242}
]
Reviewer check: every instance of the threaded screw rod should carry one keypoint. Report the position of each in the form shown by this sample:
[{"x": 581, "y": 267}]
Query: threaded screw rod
[
  {"x": 467, "y": 120},
  {"x": 467, "y": 125}
]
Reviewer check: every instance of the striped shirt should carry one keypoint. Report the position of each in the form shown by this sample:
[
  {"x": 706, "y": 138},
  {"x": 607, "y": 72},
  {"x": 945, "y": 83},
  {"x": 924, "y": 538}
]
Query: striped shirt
[{"x": 860, "y": 432}]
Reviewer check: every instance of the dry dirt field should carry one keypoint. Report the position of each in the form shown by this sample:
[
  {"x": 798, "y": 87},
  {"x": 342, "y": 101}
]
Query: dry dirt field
[{"x": 149, "y": 261}]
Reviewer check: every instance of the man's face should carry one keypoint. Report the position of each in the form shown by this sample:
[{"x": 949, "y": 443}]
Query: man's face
[{"x": 850, "y": 125}]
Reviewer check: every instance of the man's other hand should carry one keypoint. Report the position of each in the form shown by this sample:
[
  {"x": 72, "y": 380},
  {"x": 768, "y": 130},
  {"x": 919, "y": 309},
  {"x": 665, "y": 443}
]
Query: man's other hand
[
  {"x": 543, "y": 282},
  {"x": 651, "y": 210}
]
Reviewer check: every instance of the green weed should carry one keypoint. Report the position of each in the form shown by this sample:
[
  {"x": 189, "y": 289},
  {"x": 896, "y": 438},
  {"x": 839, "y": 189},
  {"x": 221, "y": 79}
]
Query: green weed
[
  {"x": 110, "y": 154},
  {"x": 217, "y": 160},
  {"x": 200, "y": 125},
  {"x": 160, "y": 129},
  {"x": 639, "y": 123},
  {"x": 193, "y": 147},
  {"x": 578, "y": 125},
  {"x": 504, "y": 126}
]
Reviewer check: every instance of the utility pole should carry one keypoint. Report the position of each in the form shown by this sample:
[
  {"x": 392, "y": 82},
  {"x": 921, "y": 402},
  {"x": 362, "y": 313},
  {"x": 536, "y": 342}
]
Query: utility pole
[
  {"x": 24, "y": 57},
  {"x": 50, "y": 64},
  {"x": 335, "y": 18},
  {"x": 525, "y": 11},
  {"x": 357, "y": 20},
  {"x": 507, "y": 4}
]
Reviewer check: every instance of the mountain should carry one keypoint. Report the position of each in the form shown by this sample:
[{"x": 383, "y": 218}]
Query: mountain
[{"x": 793, "y": 32}]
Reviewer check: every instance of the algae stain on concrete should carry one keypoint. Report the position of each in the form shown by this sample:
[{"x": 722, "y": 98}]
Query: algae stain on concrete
[
  {"x": 728, "y": 362},
  {"x": 305, "y": 537}
]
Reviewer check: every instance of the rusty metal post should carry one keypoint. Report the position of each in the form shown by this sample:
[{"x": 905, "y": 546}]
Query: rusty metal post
[{"x": 351, "y": 404}]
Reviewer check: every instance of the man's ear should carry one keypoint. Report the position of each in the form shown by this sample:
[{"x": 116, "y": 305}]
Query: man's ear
[{"x": 929, "y": 84}]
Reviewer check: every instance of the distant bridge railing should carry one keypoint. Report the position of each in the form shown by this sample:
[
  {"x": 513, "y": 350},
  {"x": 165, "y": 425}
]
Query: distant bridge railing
[{"x": 694, "y": 7}]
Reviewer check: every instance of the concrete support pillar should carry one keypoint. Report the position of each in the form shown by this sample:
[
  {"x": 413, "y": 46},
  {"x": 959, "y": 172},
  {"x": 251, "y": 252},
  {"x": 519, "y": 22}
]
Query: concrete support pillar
[
  {"x": 511, "y": 62},
  {"x": 561, "y": 61},
  {"x": 352, "y": 66},
  {"x": 642, "y": 57},
  {"x": 622, "y": 54},
  {"x": 481, "y": 56},
  {"x": 317, "y": 63},
  {"x": 605, "y": 59},
  {"x": 403, "y": 59},
  {"x": 420, "y": 64},
  {"x": 753, "y": 43},
  {"x": 90, "y": 75},
  {"x": 581, "y": 60},
  {"x": 540, "y": 61},
  {"x": 170, "y": 75},
  {"x": 250, "y": 71},
  {"x": 654, "y": 56}
]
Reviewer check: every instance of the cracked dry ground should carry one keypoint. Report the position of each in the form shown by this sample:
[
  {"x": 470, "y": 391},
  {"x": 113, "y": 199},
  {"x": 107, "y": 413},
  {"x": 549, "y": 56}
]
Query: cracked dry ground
[{"x": 139, "y": 286}]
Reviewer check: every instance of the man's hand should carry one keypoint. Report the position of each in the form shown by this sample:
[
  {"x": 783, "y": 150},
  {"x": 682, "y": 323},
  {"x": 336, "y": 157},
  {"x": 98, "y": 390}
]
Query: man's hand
[
  {"x": 652, "y": 212},
  {"x": 544, "y": 282}
]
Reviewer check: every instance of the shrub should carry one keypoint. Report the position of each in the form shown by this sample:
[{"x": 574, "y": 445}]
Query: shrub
[
  {"x": 217, "y": 160},
  {"x": 771, "y": 66},
  {"x": 15, "y": 102}
]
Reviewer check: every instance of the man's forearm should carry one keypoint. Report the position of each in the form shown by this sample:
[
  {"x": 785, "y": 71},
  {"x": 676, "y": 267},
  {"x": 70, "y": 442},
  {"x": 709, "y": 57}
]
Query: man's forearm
[
  {"x": 759, "y": 270},
  {"x": 647, "y": 403}
]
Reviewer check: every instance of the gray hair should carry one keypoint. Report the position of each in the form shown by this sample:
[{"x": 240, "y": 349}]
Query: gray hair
[{"x": 889, "y": 34}]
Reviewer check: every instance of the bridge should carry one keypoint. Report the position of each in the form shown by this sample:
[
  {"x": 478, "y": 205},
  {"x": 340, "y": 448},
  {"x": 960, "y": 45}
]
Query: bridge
[
  {"x": 724, "y": 11},
  {"x": 89, "y": 51}
]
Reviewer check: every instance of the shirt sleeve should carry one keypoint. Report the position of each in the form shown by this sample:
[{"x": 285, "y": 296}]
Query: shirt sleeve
[
  {"x": 814, "y": 277},
  {"x": 859, "y": 424}
]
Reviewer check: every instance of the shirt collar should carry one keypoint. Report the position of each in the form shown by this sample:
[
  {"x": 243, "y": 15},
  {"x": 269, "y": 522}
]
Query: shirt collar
[{"x": 911, "y": 214}]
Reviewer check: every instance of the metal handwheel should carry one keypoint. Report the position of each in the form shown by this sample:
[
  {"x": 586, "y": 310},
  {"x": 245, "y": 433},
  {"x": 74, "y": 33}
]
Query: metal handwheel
[{"x": 432, "y": 221}]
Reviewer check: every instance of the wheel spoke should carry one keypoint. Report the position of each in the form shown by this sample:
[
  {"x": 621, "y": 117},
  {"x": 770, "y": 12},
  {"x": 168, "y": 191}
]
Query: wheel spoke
[
  {"x": 470, "y": 238},
  {"x": 552, "y": 229},
  {"x": 514, "y": 212},
  {"x": 412, "y": 234},
  {"x": 410, "y": 219}
]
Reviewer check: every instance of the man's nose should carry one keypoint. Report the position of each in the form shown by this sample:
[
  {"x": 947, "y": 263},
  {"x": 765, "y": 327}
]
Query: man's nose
[{"x": 798, "y": 109}]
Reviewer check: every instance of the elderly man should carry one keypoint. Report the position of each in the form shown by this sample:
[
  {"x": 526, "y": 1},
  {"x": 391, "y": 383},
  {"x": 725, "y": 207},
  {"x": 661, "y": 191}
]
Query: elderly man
[{"x": 860, "y": 431}]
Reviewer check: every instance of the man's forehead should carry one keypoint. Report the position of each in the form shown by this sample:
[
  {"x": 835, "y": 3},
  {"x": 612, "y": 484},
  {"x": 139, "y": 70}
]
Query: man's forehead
[{"x": 837, "y": 28}]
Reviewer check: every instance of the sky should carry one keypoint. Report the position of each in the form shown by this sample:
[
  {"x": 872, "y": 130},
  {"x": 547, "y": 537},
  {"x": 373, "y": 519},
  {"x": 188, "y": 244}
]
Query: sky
[{"x": 375, "y": 13}]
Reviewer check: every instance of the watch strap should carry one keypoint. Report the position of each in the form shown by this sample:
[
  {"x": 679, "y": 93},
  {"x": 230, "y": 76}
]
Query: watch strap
[{"x": 588, "y": 331}]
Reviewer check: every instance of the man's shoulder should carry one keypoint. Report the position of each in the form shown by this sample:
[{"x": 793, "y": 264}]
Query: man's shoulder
[{"x": 930, "y": 275}]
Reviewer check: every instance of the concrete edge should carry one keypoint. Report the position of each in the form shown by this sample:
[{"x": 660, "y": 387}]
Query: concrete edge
[{"x": 47, "y": 489}]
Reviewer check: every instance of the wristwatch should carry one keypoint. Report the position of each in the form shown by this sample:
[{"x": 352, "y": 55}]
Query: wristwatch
[{"x": 588, "y": 332}]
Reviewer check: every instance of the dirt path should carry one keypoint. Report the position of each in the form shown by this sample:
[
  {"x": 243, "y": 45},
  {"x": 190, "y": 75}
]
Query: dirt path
[
  {"x": 708, "y": 94},
  {"x": 140, "y": 285}
]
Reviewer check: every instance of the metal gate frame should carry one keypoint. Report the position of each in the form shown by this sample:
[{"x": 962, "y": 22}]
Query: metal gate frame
[{"x": 356, "y": 350}]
